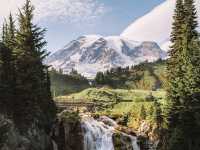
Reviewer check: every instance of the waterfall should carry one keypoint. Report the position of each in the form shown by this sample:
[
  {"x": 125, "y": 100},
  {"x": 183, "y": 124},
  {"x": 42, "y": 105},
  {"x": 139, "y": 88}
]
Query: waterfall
[{"x": 98, "y": 134}]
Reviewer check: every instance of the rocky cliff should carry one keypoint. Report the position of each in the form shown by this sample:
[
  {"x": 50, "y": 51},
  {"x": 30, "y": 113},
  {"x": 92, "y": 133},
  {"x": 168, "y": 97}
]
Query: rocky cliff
[{"x": 12, "y": 139}]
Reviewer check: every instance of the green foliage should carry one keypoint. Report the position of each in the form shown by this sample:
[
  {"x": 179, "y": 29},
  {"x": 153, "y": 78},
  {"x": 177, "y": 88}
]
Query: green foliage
[
  {"x": 70, "y": 117},
  {"x": 157, "y": 114},
  {"x": 107, "y": 94},
  {"x": 129, "y": 104},
  {"x": 125, "y": 119},
  {"x": 143, "y": 113},
  {"x": 148, "y": 76},
  {"x": 151, "y": 110},
  {"x": 177, "y": 140}
]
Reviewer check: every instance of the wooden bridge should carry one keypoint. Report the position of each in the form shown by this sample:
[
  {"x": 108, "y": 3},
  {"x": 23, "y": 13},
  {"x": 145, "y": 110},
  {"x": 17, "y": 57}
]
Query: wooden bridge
[{"x": 90, "y": 106}]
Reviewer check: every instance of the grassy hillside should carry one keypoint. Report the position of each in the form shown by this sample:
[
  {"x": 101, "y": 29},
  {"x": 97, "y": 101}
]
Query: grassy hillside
[
  {"x": 145, "y": 76},
  {"x": 108, "y": 94},
  {"x": 115, "y": 95},
  {"x": 62, "y": 84}
]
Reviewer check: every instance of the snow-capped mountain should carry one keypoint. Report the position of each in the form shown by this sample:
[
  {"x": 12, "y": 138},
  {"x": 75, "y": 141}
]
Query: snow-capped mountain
[
  {"x": 92, "y": 53},
  {"x": 156, "y": 25}
]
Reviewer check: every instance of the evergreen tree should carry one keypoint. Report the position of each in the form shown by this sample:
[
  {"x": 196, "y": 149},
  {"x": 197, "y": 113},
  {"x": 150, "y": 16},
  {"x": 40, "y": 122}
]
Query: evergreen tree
[
  {"x": 99, "y": 79},
  {"x": 7, "y": 68},
  {"x": 3, "y": 32},
  {"x": 191, "y": 56},
  {"x": 33, "y": 97},
  {"x": 151, "y": 110},
  {"x": 11, "y": 42},
  {"x": 157, "y": 114},
  {"x": 143, "y": 113},
  {"x": 174, "y": 67},
  {"x": 5, "y": 91},
  {"x": 184, "y": 79},
  {"x": 48, "y": 103}
]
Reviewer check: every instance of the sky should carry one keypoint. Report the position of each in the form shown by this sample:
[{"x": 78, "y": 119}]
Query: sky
[{"x": 66, "y": 20}]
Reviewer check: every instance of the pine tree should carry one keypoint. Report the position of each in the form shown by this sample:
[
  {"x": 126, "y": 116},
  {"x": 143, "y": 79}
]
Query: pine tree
[
  {"x": 3, "y": 32},
  {"x": 151, "y": 110},
  {"x": 143, "y": 113},
  {"x": 4, "y": 79},
  {"x": 7, "y": 73},
  {"x": 157, "y": 114},
  {"x": 33, "y": 97},
  {"x": 174, "y": 66},
  {"x": 184, "y": 79},
  {"x": 191, "y": 56},
  {"x": 99, "y": 79},
  {"x": 48, "y": 103}
]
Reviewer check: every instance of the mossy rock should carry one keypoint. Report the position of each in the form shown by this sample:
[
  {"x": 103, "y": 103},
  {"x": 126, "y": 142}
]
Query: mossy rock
[
  {"x": 70, "y": 117},
  {"x": 122, "y": 142},
  {"x": 67, "y": 131}
]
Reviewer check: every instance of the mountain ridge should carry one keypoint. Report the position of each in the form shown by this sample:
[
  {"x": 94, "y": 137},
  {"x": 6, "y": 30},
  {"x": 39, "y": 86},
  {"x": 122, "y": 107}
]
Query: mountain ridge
[{"x": 89, "y": 54}]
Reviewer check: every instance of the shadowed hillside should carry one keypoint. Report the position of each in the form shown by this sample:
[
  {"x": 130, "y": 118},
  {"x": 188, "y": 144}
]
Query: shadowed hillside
[{"x": 62, "y": 84}]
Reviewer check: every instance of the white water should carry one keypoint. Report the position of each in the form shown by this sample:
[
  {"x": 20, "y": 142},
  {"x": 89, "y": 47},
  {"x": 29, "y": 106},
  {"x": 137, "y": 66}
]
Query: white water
[{"x": 98, "y": 134}]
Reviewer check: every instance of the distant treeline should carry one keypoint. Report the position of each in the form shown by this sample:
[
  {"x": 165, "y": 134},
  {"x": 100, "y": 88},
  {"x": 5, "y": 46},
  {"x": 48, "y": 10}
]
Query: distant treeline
[
  {"x": 63, "y": 84},
  {"x": 147, "y": 75}
]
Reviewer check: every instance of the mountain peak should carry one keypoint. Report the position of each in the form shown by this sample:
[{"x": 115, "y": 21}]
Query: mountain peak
[{"x": 92, "y": 53}]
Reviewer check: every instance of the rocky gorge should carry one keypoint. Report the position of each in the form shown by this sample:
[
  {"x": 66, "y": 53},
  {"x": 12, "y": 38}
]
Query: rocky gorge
[{"x": 74, "y": 131}]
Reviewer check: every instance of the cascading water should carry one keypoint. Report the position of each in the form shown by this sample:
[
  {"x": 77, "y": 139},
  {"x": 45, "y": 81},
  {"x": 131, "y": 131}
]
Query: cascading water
[{"x": 98, "y": 134}]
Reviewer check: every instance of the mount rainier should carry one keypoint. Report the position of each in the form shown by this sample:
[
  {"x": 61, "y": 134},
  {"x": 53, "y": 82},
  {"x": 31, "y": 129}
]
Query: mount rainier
[{"x": 92, "y": 53}]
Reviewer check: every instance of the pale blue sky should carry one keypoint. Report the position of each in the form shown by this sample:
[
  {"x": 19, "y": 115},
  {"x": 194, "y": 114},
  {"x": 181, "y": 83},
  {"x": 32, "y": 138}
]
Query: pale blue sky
[
  {"x": 66, "y": 20},
  {"x": 116, "y": 16}
]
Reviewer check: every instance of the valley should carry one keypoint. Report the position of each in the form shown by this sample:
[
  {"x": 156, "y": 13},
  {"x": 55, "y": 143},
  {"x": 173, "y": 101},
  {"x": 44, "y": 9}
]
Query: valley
[{"x": 132, "y": 109}]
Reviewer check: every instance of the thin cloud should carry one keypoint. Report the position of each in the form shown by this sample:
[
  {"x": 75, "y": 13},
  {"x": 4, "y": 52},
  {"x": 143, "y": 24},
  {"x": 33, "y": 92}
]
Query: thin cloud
[
  {"x": 156, "y": 25},
  {"x": 58, "y": 10},
  {"x": 70, "y": 10}
]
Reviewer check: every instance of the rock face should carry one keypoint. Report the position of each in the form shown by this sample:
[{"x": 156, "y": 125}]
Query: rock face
[
  {"x": 67, "y": 132},
  {"x": 122, "y": 142},
  {"x": 12, "y": 139},
  {"x": 92, "y": 53},
  {"x": 71, "y": 132}
]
